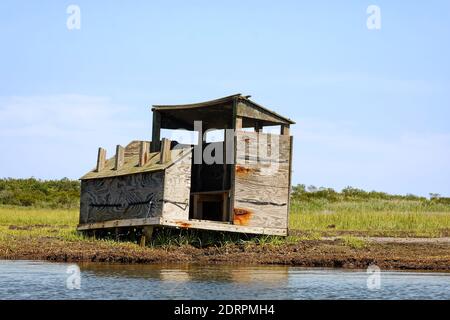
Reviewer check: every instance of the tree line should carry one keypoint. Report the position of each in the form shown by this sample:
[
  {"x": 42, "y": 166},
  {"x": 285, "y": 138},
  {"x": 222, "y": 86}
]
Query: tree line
[
  {"x": 33, "y": 192},
  {"x": 65, "y": 193},
  {"x": 302, "y": 193}
]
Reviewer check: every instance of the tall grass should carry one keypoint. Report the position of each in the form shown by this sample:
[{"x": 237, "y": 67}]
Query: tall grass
[
  {"x": 412, "y": 217},
  {"x": 315, "y": 210},
  {"x": 24, "y": 216}
]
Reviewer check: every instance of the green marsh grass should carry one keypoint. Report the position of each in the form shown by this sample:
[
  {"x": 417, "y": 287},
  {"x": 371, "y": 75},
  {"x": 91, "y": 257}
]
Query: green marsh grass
[
  {"x": 415, "y": 218},
  {"x": 29, "y": 216},
  {"x": 314, "y": 219}
]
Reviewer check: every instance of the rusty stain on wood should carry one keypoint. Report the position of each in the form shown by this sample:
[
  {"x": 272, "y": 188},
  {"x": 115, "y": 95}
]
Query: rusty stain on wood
[
  {"x": 243, "y": 171},
  {"x": 183, "y": 224},
  {"x": 242, "y": 216}
]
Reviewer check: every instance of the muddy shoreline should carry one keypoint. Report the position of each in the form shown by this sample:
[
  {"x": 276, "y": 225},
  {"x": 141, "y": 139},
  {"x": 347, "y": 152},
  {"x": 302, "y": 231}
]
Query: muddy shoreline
[{"x": 430, "y": 256}]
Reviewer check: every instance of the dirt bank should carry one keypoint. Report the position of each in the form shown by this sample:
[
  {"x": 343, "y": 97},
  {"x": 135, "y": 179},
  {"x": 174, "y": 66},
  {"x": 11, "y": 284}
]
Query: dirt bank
[{"x": 434, "y": 256}]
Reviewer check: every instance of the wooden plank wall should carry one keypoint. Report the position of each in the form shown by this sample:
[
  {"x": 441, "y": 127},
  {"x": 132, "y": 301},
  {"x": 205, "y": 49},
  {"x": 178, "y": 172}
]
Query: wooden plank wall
[
  {"x": 261, "y": 194},
  {"x": 177, "y": 188},
  {"x": 123, "y": 197}
]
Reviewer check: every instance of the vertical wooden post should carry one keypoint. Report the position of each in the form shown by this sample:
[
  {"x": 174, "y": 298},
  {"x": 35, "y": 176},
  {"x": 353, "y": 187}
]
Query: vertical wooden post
[
  {"x": 238, "y": 125},
  {"x": 165, "y": 155},
  {"x": 291, "y": 146},
  {"x": 156, "y": 132},
  {"x": 120, "y": 157},
  {"x": 225, "y": 206},
  {"x": 258, "y": 127},
  {"x": 101, "y": 159},
  {"x": 142, "y": 241},
  {"x": 147, "y": 233},
  {"x": 143, "y": 153},
  {"x": 284, "y": 130},
  {"x": 235, "y": 126}
]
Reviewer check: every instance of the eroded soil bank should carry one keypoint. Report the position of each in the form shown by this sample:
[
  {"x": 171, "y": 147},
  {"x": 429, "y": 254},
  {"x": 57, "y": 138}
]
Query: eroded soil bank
[{"x": 433, "y": 256}]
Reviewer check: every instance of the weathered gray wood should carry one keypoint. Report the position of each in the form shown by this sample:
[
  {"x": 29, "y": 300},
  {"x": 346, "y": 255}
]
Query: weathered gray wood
[
  {"x": 194, "y": 224},
  {"x": 101, "y": 159},
  {"x": 131, "y": 165},
  {"x": 233, "y": 165},
  {"x": 147, "y": 233},
  {"x": 177, "y": 186},
  {"x": 252, "y": 147},
  {"x": 165, "y": 154},
  {"x": 119, "y": 223},
  {"x": 143, "y": 153},
  {"x": 248, "y": 109},
  {"x": 258, "y": 182},
  {"x": 120, "y": 157},
  {"x": 132, "y": 149},
  {"x": 221, "y": 226},
  {"x": 238, "y": 125},
  {"x": 261, "y": 180},
  {"x": 290, "y": 180},
  {"x": 123, "y": 197},
  {"x": 284, "y": 130}
]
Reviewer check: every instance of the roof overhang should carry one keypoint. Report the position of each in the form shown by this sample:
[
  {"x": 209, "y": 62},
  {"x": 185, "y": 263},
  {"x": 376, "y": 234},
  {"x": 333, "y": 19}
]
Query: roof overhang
[{"x": 218, "y": 114}]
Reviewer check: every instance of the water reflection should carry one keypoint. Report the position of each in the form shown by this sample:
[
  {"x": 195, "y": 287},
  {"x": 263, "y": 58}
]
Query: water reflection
[
  {"x": 45, "y": 280},
  {"x": 191, "y": 272}
]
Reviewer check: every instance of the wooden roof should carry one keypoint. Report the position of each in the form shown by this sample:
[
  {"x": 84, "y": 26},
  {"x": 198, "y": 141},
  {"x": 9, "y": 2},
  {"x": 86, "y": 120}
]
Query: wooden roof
[
  {"x": 218, "y": 113},
  {"x": 131, "y": 162}
]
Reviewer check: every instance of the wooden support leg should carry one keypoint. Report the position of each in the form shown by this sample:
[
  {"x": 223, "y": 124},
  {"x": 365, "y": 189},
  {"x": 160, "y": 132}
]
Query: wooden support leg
[
  {"x": 147, "y": 233},
  {"x": 142, "y": 241},
  {"x": 116, "y": 234}
]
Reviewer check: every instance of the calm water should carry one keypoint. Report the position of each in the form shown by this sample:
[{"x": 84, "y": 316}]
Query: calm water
[{"x": 44, "y": 280}]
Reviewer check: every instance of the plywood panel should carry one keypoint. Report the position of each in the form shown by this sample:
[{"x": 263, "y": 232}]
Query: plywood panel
[
  {"x": 262, "y": 174},
  {"x": 177, "y": 188},
  {"x": 123, "y": 197}
]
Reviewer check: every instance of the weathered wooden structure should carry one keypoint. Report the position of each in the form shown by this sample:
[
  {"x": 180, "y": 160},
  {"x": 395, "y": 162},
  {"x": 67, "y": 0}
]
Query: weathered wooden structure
[{"x": 240, "y": 184}]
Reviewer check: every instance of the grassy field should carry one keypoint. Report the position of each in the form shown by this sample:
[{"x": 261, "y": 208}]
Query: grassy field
[
  {"x": 327, "y": 228},
  {"x": 50, "y": 234},
  {"x": 31, "y": 223},
  {"x": 311, "y": 219},
  {"x": 373, "y": 217},
  {"x": 49, "y": 205}
]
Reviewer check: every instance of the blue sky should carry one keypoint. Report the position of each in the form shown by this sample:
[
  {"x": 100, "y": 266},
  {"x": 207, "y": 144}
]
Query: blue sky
[{"x": 372, "y": 106}]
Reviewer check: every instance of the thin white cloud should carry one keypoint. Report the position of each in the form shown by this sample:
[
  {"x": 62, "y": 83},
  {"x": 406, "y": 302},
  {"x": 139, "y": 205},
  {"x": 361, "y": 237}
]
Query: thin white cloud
[
  {"x": 59, "y": 114},
  {"x": 42, "y": 133},
  {"x": 335, "y": 154}
]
